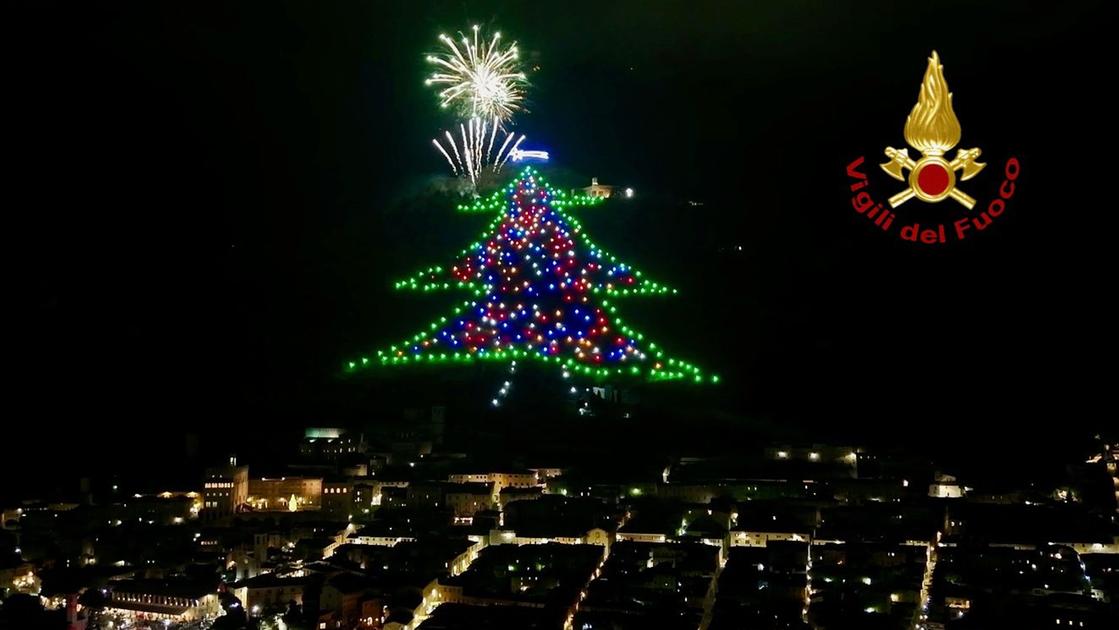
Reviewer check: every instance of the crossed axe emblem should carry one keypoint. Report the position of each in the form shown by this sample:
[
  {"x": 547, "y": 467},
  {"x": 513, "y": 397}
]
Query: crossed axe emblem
[{"x": 932, "y": 178}]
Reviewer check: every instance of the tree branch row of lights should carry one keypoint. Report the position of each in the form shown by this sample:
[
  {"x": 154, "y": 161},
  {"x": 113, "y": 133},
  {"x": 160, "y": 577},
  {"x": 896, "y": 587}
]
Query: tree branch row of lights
[{"x": 531, "y": 275}]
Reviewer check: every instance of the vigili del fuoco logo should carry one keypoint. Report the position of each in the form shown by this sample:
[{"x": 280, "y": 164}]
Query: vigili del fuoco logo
[{"x": 933, "y": 130}]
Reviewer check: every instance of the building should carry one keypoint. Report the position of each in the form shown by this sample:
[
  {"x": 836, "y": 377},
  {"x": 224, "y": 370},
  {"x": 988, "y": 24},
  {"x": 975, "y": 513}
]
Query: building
[
  {"x": 546, "y": 576},
  {"x": 350, "y": 598},
  {"x": 467, "y": 499},
  {"x": 845, "y": 456},
  {"x": 9, "y": 519},
  {"x": 500, "y": 480},
  {"x": 598, "y": 190},
  {"x": 285, "y": 494},
  {"x": 511, "y": 495},
  {"x": 945, "y": 487},
  {"x": 155, "y": 600},
  {"x": 366, "y": 495},
  {"x": 18, "y": 576},
  {"x": 374, "y": 540},
  {"x": 270, "y": 592},
  {"x": 643, "y": 585},
  {"x": 546, "y": 473},
  {"x": 594, "y": 536},
  {"x": 225, "y": 489},
  {"x": 163, "y": 509},
  {"x": 330, "y": 444},
  {"x": 338, "y": 497},
  {"x": 767, "y": 587}
]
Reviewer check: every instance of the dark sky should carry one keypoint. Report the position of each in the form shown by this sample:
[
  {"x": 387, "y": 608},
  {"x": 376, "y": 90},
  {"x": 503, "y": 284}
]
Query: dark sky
[{"x": 206, "y": 203}]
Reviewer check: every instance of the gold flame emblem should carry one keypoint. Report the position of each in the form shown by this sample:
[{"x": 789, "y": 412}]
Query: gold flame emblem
[{"x": 933, "y": 129}]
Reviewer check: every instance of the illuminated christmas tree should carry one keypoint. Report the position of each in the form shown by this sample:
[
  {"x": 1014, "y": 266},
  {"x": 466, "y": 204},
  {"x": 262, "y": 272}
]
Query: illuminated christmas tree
[{"x": 540, "y": 289}]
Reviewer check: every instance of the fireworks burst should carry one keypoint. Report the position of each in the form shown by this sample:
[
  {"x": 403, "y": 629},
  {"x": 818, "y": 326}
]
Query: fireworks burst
[
  {"x": 473, "y": 151},
  {"x": 477, "y": 78}
]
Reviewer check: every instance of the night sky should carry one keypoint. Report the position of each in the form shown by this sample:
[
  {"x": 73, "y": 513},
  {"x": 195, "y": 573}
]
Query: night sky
[{"x": 207, "y": 203}]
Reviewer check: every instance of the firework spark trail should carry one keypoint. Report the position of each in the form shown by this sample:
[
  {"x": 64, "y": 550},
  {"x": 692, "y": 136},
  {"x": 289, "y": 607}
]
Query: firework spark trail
[
  {"x": 493, "y": 134},
  {"x": 468, "y": 143},
  {"x": 481, "y": 145},
  {"x": 478, "y": 133},
  {"x": 466, "y": 151},
  {"x": 496, "y": 166},
  {"x": 481, "y": 142},
  {"x": 515, "y": 145},
  {"x": 474, "y": 143},
  {"x": 484, "y": 81},
  {"x": 476, "y": 152},
  {"x": 444, "y": 152},
  {"x": 451, "y": 141}
]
